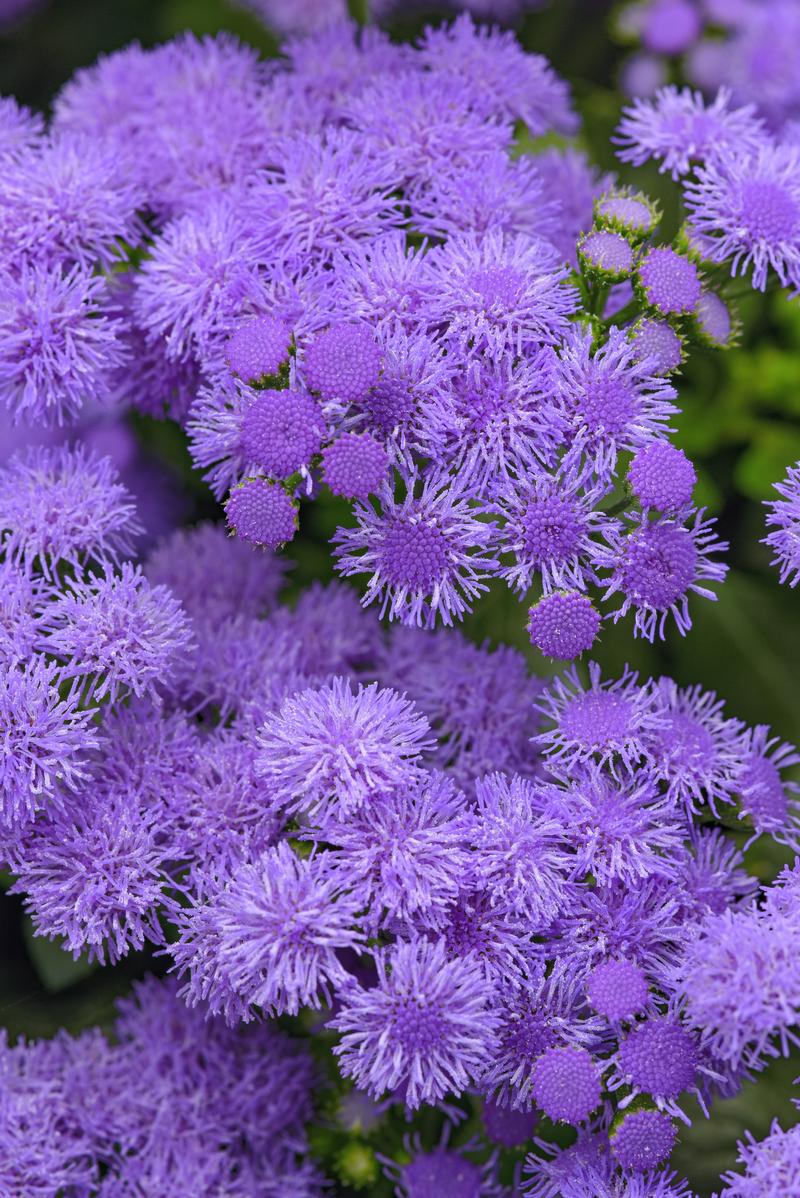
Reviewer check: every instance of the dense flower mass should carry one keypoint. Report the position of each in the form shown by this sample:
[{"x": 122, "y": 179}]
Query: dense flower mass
[{"x": 414, "y": 915}]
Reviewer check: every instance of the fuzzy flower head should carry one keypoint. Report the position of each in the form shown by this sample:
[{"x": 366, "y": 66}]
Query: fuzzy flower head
[
  {"x": 429, "y": 555},
  {"x": 747, "y": 209},
  {"x": 669, "y": 282},
  {"x": 656, "y": 341},
  {"x": 59, "y": 347},
  {"x": 566, "y": 1084},
  {"x": 617, "y": 989},
  {"x": 771, "y": 1166},
  {"x": 657, "y": 565},
  {"x": 643, "y": 1140},
  {"x": 661, "y": 477},
  {"x": 281, "y": 432},
  {"x": 564, "y": 624},
  {"x": 678, "y": 129},
  {"x": 116, "y": 633},
  {"x": 406, "y": 853},
  {"x": 332, "y": 747},
  {"x": 763, "y": 794},
  {"x": 355, "y": 465},
  {"x": 343, "y": 363},
  {"x": 658, "y": 1057},
  {"x": 64, "y": 505},
  {"x": 606, "y": 255},
  {"x": 633, "y": 214},
  {"x": 783, "y": 520},
  {"x": 500, "y": 294},
  {"x": 262, "y": 513},
  {"x": 46, "y": 739},
  {"x": 258, "y": 349},
  {"x": 427, "y": 1027},
  {"x": 611, "y": 400},
  {"x": 268, "y": 936}
]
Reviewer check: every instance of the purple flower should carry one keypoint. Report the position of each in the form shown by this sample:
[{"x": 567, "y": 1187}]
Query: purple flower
[
  {"x": 59, "y": 347},
  {"x": 504, "y": 80},
  {"x": 658, "y": 1057},
  {"x": 262, "y": 513},
  {"x": 763, "y": 794},
  {"x": 657, "y": 565},
  {"x": 550, "y": 520},
  {"x": 643, "y": 1140},
  {"x": 669, "y": 282},
  {"x": 428, "y": 1025},
  {"x": 520, "y": 861},
  {"x": 67, "y": 506},
  {"x": 662, "y": 477},
  {"x": 678, "y": 129},
  {"x": 617, "y": 989},
  {"x": 771, "y": 1165},
  {"x": 784, "y": 518},
  {"x": 343, "y": 363},
  {"x": 95, "y": 876},
  {"x": 46, "y": 739},
  {"x": 442, "y": 1173},
  {"x": 428, "y": 554},
  {"x": 20, "y": 129},
  {"x": 355, "y": 465},
  {"x": 610, "y": 399},
  {"x": 258, "y": 349},
  {"x": 499, "y": 294},
  {"x": 329, "y": 749},
  {"x": 282, "y": 431},
  {"x": 565, "y": 1084},
  {"x": 715, "y": 323},
  {"x": 656, "y": 342},
  {"x": 22, "y": 600},
  {"x": 606, "y": 722},
  {"x": 632, "y": 213},
  {"x": 606, "y": 255},
  {"x": 747, "y": 208},
  {"x": 214, "y": 575},
  {"x": 563, "y": 624},
  {"x": 289, "y": 16},
  {"x": 116, "y": 633},
  {"x": 694, "y": 748},
  {"x": 69, "y": 203},
  {"x": 713, "y": 875},
  {"x": 572, "y": 184},
  {"x": 507, "y": 1127},
  {"x": 405, "y": 853},
  {"x": 493, "y": 423},
  {"x": 267, "y": 936}
]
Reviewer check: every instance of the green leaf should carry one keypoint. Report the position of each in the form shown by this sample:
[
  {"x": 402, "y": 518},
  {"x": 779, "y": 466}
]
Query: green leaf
[{"x": 57, "y": 969}]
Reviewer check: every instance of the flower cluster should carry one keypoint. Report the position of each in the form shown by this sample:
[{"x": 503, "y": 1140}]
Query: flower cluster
[
  {"x": 341, "y": 274},
  {"x": 509, "y": 891}
]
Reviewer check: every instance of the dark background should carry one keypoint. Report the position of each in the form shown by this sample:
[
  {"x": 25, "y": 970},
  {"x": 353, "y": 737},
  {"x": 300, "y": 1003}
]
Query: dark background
[{"x": 739, "y": 425}]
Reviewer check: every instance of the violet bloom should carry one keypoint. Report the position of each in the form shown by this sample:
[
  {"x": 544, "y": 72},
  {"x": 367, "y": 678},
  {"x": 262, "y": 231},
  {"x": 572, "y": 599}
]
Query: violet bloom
[
  {"x": 763, "y": 793},
  {"x": 678, "y": 129},
  {"x": 747, "y": 208},
  {"x": 429, "y": 555},
  {"x": 658, "y": 1057},
  {"x": 610, "y": 399},
  {"x": 60, "y": 347},
  {"x": 428, "y": 1025},
  {"x": 331, "y": 748},
  {"x": 267, "y": 936},
  {"x": 657, "y": 565},
  {"x": 116, "y": 633},
  {"x": 771, "y": 1165},
  {"x": 783, "y": 520},
  {"x": 65, "y": 506}
]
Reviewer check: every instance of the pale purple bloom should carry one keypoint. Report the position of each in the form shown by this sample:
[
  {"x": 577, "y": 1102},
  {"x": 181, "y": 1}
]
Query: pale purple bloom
[
  {"x": 343, "y": 363},
  {"x": 670, "y": 282},
  {"x": 428, "y": 1026},
  {"x": 657, "y": 342},
  {"x": 783, "y": 521},
  {"x": 764, "y": 796},
  {"x": 565, "y": 1084},
  {"x": 282, "y": 431},
  {"x": 771, "y": 1165},
  {"x": 643, "y": 1140},
  {"x": 258, "y": 349},
  {"x": 606, "y": 255},
  {"x": 20, "y": 129},
  {"x": 262, "y": 513},
  {"x": 564, "y": 624},
  {"x": 658, "y": 1057},
  {"x": 617, "y": 989},
  {"x": 662, "y": 477},
  {"x": 355, "y": 465}
]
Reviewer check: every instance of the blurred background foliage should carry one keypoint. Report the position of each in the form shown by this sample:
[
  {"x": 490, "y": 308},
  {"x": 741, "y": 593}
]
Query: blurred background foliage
[{"x": 739, "y": 424}]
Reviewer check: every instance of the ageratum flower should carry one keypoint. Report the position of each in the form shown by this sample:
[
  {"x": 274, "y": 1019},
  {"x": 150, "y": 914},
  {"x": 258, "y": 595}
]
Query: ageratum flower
[
  {"x": 643, "y": 1140},
  {"x": 566, "y": 1084},
  {"x": 771, "y": 1166},
  {"x": 64, "y": 505},
  {"x": 330, "y": 748},
  {"x": 429, "y": 555},
  {"x": 747, "y": 208},
  {"x": 678, "y": 129},
  {"x": 563, "y": 624},
  {"x": 784, "y": 518},
  {"x": 427, "y": 1028},
  {"x": 763, "y": 794},
  {"x": 355, "y": 465},
  {"x": 661, "y": 477},
  {"x": 262, "y": 513},
  {"x": 266, "y": 936},
  {"x": 20, "y": 129}
]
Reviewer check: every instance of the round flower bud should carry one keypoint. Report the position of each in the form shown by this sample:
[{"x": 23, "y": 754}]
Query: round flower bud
[
  {"x": 566, "y": 1085},
  {"x": 506, "y": 1126},
  {"x": 564, "y": 624},
  {"x": 657, "y": 340},
  {"x": 606, "y": 255},
  {"x": 643, "y": 1140},
  {"x": 671, "y": 26},
  {"x": 713, "y": 320},
  {"x": 262, "y": 513},
  {"x": 282, "y": 431},
  {"x": 258, "y": 349},
  {"x": 658, "y": 1057},
  {"x": 617, "y": 989},
  {"x": 354, "y": 465},
  {"x": 634, "y": 215},
  {"x": 344, "y": 363},
  {"x": 662, "y": 477},
  {"x": 670, "y": 282}
]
